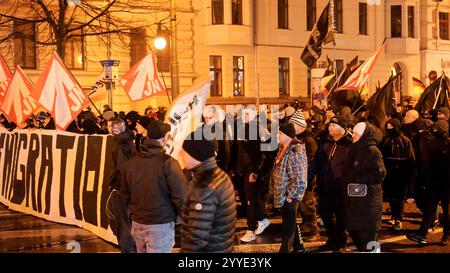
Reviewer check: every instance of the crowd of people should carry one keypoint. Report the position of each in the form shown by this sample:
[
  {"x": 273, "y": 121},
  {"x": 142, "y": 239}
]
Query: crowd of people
[{"x": 332, "y": 167}]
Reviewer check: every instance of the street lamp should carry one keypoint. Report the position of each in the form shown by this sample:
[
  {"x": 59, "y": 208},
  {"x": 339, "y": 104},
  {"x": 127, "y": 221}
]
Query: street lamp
[{"x": 160, "y": 43}]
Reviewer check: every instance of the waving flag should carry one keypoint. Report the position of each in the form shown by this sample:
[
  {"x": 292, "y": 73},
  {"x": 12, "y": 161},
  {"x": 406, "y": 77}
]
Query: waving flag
[
  {"x": 380, "y": 104},
  {"x": 435, "y": 96},
  {"x": 418, "y": 86},
  {"x": 59, "y": 93},
  {"x": 358, "y": 79},
  {"x": 185, "y": 115},
  {"x": 5, "y": 77},
  {"x": 142, "y": 81},
  {"x": 18, "y": 103},
  {"x": 322, "y": 33}
]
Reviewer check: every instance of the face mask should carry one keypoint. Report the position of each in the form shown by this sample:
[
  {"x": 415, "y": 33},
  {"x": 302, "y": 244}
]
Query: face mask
[{"x": 391, "y": 132}]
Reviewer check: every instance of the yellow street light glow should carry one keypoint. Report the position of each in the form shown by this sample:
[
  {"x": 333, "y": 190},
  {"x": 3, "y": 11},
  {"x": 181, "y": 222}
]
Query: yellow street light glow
[{"x": 160, "y": 43}]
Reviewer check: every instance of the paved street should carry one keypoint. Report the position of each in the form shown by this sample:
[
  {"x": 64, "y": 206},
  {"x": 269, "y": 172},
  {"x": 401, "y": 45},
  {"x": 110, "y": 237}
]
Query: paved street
[{"x": 24, "y": 233}]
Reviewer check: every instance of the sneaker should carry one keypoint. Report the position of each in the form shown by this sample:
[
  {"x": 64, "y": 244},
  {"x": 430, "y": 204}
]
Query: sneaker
[
  {"x": 248, "y": 237},
  {"x": 397, "y": 225},
  {"x": 444, "y": 241},
  {"x": 262, "y": 225},
  {"x": 313, "y": 238},
  {"x": 416, "y": 238},
  {"x": 431, "y": 230}
]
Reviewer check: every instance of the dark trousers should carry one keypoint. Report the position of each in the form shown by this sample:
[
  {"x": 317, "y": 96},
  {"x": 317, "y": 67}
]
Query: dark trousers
[
  {"x": 395, "y": 193},
  {"x": 429, "y": 215},
  {"x": 291, "y": 237},
  {"x": 331, "y": 210},
  {"x": 239, "y": 185},
  {"x": 361, "y": 239},
  {"x": 308, "y": 211},
  {"x": 120, "y": 223},
  {"x": 256, "y": 201}
]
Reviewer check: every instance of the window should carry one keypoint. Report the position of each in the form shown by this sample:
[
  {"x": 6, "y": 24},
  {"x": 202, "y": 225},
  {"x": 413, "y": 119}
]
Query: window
[
  {"x": 283, "y": 14},
  {"x": 363, "y": 18},
  {"x": 411, "y": 21},
  {"x": 238, "y": 76},
  {"x": 236, "y": 12},
  {"x": 217, "y": 12},
  {"x": 443, "y": 26},
  {"x": 338, "y": 14},
  {"x": 138, "y": 45},
  {"x": 283, "y": 75},
  {"x": 163, "y": 55},
  {"x": 74, "y": 51},
  {"x": 396, "y": 21},
  {"x": 215, "y": 74},
  {"x": 310, "y": 14},
  {"x": 339, "y": 66},
  {"x": 24, "y": 44}
]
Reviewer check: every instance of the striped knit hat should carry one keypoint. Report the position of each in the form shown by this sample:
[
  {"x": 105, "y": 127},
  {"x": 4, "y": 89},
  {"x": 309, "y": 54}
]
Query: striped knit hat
[{"x": 298, "y": 118}]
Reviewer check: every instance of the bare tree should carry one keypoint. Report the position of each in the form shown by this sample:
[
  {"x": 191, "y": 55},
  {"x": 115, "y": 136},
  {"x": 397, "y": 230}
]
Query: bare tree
[{"x": 64, "y": 19}]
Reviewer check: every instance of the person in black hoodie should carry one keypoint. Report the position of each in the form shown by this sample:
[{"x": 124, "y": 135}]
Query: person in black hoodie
[
  {"x": 363, "y": 186},
  {"x": 122, "y": 150},
  {"x": 399, "y": 160},
  {"x": 209, "y": 213},
  {"x": 437, "y": 170},
  {"x": 330, "y": 167},
  {"x": 153, "y": 186}
]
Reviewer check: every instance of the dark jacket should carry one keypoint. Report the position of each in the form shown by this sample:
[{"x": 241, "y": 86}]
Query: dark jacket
[
  {"x": 153, "y": 185},
  {"x": 330, "y": 164},
  {"x": 398, "y": 155},
  {"x": 436, "y": 165},
  {"x": 311, "y": 150},
  {"x": 223, "y": 144},
  {"x": 209, "y": 214},
  {"x": 122, "y": 150},
  {"x": 367, "y": 167}
]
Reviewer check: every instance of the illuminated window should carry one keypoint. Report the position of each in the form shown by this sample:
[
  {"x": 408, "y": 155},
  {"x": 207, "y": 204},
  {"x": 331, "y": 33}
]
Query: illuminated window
[{"x": 238, "y": 76}]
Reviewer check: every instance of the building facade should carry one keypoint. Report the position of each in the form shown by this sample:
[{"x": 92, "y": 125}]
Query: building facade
[{"x": 251, "y": 48}]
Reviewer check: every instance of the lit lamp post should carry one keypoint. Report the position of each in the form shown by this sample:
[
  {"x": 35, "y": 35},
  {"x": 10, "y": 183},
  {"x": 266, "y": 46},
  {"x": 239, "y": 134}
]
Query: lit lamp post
[{"x": 161, "y": 43}]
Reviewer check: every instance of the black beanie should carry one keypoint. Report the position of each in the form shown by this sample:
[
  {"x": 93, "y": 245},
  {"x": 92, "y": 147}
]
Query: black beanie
[
  {"x": 157, "y": 130},
  {"x": 339, "y": 120},
  {"x": 287, "y": 129},
  {"x": 200, "y": 149}
]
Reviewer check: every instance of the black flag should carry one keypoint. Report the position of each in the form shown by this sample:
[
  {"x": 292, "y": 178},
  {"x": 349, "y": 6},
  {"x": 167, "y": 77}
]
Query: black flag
[
  {"x": 435, "y": 95},
  {"x": 381, "y": 103},
  {"x": 322, "y": 33}
]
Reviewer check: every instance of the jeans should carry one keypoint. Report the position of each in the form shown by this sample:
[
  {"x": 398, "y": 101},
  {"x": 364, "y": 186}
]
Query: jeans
[
  {"x": 429, "y": 215},
  {"x": 154, "y": 238}
]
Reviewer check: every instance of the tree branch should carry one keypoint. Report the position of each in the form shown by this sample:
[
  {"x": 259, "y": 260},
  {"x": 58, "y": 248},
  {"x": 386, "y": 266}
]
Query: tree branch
[{"x": 93, "y": 18}]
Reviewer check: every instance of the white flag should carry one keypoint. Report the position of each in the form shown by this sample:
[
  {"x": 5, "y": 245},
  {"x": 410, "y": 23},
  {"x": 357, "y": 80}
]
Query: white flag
[{"x": 185, "y": 115}]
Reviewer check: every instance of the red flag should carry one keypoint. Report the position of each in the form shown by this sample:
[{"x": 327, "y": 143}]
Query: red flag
[
  {"x": 5, "y": 77},
  {"x": 18, "y": 103},
  {"x": 359, "y": 77},
  {"x": 418, "y": 86},
  {"x": 59, "y": 93},
  {"x": 142, "y": 81}
]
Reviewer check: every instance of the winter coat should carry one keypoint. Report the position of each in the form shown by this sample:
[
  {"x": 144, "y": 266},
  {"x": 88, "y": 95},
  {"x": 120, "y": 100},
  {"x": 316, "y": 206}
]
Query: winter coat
[
  {"x": 435, "y": 159},
  {"x": 209, "y": 213},
  {"x": 367, "y": 167},
  {"x": 398, "y": 155},
  {"x": 330, "y": 164},
  {"x": 153, "y": 185},
  {"x": 224, "y": 146},
  {"x": 289, "y": 176},
  {"x": 123, "y": 149},
  {"x": 311, "y": 150}
]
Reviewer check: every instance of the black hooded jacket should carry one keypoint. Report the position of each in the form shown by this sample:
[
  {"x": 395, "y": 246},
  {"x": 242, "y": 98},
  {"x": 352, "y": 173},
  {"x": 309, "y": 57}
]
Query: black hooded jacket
[
  {"x": 398, "y": 155},
  {"x": 123, "y": 149},
  {"x": 367, "y": 167}
]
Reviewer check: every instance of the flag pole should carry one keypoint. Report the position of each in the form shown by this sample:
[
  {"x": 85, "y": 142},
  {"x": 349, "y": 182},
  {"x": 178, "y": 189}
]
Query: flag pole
[
  {"x": 439, "y": 92},
  {"x": 333, "y": 29}
]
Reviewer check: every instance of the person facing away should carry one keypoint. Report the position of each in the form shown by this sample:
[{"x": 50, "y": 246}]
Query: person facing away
[
  {"x": 209, "y": 213},
  {"x": 153, "y": 186},
  {"x": 289, "y": 179}
]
